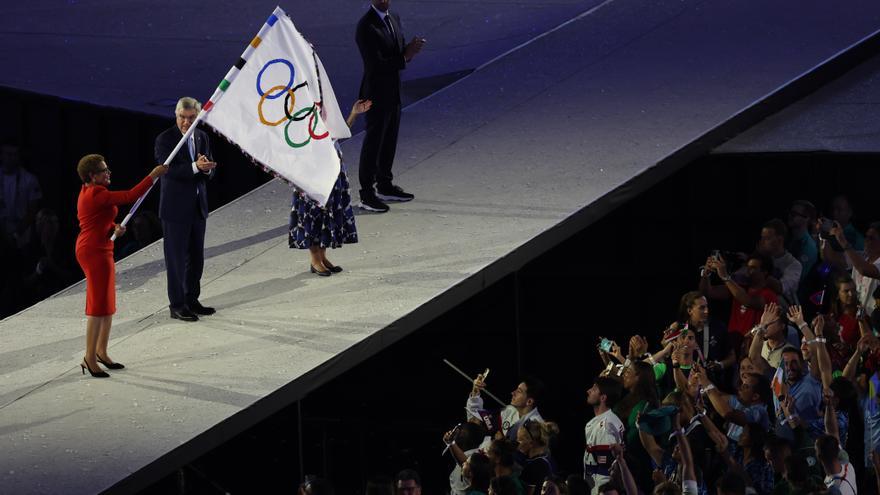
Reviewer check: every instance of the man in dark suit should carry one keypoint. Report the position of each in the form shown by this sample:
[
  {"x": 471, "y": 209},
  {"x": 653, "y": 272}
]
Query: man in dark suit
[
  {"x": 183, "y": 208},
  {"x": 379, "y": 38}
]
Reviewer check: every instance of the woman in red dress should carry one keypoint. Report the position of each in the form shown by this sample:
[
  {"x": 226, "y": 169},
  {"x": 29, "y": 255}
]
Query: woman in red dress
[{"x": 96, "y": 210}]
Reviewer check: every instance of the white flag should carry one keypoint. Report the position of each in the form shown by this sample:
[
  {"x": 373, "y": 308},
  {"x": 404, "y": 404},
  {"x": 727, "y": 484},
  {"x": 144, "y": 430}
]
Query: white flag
[{"x": 277, "y": 105}]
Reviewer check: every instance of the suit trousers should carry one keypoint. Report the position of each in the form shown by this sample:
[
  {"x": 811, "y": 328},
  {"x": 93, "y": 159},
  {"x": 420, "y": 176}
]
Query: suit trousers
[
  {"x": 379, "y": 146},
  {"x": 184, "y": 260}
]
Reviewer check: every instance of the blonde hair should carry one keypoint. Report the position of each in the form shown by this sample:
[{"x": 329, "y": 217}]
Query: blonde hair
[{"x": 540, "y": 432}]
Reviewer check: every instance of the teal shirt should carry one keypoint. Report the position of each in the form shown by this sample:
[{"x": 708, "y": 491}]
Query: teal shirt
[
  {"x": 806, "y": 251},
  {"x": 854, "y": 237}
]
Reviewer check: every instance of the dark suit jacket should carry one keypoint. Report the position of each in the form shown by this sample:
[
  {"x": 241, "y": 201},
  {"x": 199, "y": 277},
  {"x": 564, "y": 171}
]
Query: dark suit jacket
[
  {"x": 180, "y": 202},
  {"x": 382, "y": 55}
]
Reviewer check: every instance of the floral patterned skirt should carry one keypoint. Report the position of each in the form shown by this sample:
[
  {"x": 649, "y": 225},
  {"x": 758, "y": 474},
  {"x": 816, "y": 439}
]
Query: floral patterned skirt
[{"x": 324, "y": 227}]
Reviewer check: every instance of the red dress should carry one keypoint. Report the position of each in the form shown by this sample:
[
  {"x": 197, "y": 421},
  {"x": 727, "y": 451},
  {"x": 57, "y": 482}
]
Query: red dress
[{"x": 96, "y": 210}]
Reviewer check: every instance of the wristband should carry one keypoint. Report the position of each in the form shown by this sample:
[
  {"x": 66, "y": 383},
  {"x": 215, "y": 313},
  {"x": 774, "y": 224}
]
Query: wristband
[
  {"x": 624, "y": 366},
  {"x": 707, "y": 388},
  {"x": 803, "y": 325},
  {"x": 725, "y": 279},
  {"x": 649, "y": 358},
  {"x": 720, "y": 364},
  {"x": 758, "y": 329}
]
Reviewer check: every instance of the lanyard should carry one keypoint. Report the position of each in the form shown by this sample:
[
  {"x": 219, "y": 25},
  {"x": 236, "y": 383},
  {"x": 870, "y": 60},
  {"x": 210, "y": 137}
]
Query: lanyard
[{"x": 705, "y": 340}]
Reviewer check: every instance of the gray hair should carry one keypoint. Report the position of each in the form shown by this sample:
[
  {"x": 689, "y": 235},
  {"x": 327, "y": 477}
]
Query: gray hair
[{"x": 187, "y": 103}]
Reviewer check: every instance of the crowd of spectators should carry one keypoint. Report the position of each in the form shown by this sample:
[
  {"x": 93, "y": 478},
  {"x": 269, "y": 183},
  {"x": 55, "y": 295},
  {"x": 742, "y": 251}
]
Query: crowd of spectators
[
  {"x": 778, "y": 397},
  {"x": 37, "y": 236},
  {"x": 766, "y": 383}
]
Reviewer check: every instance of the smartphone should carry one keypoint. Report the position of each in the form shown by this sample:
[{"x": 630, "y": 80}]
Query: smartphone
[{"x": 605, "y": 345}]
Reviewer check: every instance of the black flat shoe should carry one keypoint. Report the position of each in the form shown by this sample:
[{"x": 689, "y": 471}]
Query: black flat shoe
[
  {"x": 112, "y": 366},
  {"x": 183, "y": 315},
  {"x": 198, "y": 309},
  {"x": 319, "y": 272},
  {"x": 95, "y": 374},
  {"x": 333, "y": 268}
]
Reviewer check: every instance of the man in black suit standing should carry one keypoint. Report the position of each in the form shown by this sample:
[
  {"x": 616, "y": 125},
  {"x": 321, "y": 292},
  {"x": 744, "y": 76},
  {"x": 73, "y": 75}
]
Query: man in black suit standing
[
  {"x": 380, "y": 40},
  {"x": 183, "y": 208}
]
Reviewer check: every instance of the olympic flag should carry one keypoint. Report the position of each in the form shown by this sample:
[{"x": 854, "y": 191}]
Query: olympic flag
[
  {"x": 281, "y": 112},
  {"x": 278, "y": 106}
]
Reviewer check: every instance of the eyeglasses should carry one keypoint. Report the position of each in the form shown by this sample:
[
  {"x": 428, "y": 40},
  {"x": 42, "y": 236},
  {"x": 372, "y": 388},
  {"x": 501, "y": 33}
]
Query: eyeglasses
[
  {"x": 102, "y": 170},
  {"x": 187, "y": 118}
]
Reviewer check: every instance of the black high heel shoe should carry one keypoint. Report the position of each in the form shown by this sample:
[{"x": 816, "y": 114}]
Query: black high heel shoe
[
  {"x": 95, "y": 374},
  {"x": 333, "y": 268},
  {"x": 112, "y": 366},
  {"x": 318, "y": 272}
]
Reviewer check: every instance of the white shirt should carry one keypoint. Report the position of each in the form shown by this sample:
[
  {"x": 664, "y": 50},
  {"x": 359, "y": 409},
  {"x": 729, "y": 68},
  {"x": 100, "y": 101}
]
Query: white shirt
[
  {"x": 510, "y": 418},
  {"x": 604, "y": 429},
  {"x": 845, "y": 480},
  {"x": 382, "y": 15},
  {"x": 791, "y": 270},
  {"x": 458, "y": 485},
  {"x": 865, "y": 288}
]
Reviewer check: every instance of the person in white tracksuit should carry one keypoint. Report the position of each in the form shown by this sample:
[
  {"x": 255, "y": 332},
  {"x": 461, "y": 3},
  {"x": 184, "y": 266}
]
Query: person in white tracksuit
[
  {"x": 604, "y": 430},
  {"x": 523, "y": 405}
]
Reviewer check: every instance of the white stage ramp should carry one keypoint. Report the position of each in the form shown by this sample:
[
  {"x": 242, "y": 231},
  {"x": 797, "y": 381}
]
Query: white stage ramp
[{"x": 506, "y": 163}]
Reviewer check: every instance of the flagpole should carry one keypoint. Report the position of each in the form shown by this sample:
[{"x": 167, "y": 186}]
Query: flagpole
[
  {"x": 171, "y": 156},
  {"x": 218, "y": 93}
]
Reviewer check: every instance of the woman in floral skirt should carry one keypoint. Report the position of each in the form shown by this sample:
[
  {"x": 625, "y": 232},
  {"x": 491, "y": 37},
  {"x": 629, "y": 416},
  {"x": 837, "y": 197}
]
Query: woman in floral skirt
[{"x": 315, "y": 227}]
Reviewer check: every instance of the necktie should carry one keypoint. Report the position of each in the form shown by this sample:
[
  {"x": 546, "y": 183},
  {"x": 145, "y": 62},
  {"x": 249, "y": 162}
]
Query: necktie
[
  {"x": 390, "y": 27},
  {"x": 192, "y": 147}
]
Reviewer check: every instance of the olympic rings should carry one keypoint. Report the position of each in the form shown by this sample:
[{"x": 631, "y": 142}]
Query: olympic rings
[
  {"x": 300, "y": 115},
  {"x": 312, "y": 128},
  {"x": 286, "y": 111},
  {"x": 289, "y": 104},
  {"x": 287, "y": 100},
  {"x": 289, "y": 83}
]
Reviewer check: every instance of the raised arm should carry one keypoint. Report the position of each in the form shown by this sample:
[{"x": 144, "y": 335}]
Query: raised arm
[
  {"x": 358, "y": 108},
  {"x": 770, "y": 314},
  {"x": 865, "y": 268},
  {"x": 852, "y": 366},
  {"x": 821, "y": 351},
  {"x": 706, "y": 287},
  {"x": 681, "y": 381},
  {"x": 629, "y": 482},
  {"x": 454, "y": 449},
  {"x": 796, "y": 316},
  {"x": 114, "y": 198},
  {"x": 831, "y": 427},
  {"x": 654, "y": 450},
  {"x": 738, "y": 292},
  {"x": 720, "y": 401},
  {"x": 687, "y": 459}
]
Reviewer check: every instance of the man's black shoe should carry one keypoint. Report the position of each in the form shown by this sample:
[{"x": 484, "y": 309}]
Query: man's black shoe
[
  {"x": 370, "y": 202},
  {"x": 393, "y": 193},
  {"x": 183, "y": 314},
  {"x": 198, "y": 309}
]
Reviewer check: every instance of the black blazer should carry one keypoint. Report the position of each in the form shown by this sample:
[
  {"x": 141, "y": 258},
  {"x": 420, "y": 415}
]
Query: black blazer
[
  {"x": 180, "y": 202},
  {"x": 382, "y": 55}
]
